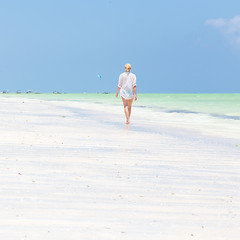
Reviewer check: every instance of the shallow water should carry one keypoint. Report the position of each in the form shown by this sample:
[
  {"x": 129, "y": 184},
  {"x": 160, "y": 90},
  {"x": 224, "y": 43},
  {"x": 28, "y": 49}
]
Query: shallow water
[{"x": 226, "y": 106}]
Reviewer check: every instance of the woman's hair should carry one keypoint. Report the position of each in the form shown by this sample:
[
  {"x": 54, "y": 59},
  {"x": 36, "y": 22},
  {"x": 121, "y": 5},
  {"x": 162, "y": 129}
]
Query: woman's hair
[{"x": 128, "y": 66}]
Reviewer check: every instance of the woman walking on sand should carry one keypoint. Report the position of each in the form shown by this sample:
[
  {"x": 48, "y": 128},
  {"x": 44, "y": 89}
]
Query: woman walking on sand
[{"x": 127, "y": 87}]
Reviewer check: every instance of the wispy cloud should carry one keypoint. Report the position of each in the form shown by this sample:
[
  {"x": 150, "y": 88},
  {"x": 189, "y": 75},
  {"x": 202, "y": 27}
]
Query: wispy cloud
[{"x": 229, "y": 27}]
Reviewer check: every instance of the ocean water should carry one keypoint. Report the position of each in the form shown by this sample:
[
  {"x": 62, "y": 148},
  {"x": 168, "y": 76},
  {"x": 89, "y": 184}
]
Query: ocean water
[{"x": 225, "y": 106}]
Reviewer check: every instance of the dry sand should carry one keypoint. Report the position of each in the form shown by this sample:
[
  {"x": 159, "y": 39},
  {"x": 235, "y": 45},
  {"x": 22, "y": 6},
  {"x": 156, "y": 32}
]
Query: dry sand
[{"x": 74, "y": 171}]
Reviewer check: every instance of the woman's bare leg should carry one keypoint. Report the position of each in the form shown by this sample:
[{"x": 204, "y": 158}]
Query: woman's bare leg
[
  {"x": 127, "y": 104},
  {"x": 130, "y": 101}
]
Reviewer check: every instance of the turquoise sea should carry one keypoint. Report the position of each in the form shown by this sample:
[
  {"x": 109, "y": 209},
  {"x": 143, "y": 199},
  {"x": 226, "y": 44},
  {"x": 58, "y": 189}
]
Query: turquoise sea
[{"x": 225, "y": 106}]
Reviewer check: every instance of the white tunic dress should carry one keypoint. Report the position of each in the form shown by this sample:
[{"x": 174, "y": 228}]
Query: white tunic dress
[{"x": 127, "y": 81}]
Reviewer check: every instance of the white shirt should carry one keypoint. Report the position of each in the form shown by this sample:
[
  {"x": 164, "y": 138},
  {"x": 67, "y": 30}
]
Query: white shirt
[{"x": 127, "y": 81}]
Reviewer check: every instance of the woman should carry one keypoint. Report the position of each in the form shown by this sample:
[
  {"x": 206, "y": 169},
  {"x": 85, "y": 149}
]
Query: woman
[{"x": 127, "y": 87}]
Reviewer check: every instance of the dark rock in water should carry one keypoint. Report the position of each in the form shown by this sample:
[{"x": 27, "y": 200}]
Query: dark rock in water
[{"x": 32, "y": 92}]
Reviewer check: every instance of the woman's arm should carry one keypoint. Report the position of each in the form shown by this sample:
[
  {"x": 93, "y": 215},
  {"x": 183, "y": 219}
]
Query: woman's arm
[
  {"x": 135, "y": 92},
  {"x": 117, "y": 91}
]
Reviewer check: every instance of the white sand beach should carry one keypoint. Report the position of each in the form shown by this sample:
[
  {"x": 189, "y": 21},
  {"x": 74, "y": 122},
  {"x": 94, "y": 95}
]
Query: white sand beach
[{"x": 73, "y": 170}]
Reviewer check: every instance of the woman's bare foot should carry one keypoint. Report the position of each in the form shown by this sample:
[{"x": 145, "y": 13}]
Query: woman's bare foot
[{"x": 127, "y": 122}]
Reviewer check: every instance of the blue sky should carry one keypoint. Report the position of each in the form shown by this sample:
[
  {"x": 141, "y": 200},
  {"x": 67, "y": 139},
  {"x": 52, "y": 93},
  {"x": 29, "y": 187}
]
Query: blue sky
[{"x": 174, "y": 46}]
